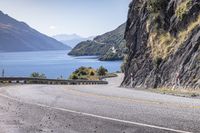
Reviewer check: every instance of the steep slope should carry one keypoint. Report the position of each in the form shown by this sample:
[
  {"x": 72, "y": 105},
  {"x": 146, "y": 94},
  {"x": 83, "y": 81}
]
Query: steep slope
[
  {"x": 163, "y": 39},
  {"x": 109, "y": 46},
  {"x": 18, "y": 36}
]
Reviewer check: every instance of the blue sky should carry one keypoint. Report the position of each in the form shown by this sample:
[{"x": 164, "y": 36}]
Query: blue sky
[{"x": 83, "y": 17}]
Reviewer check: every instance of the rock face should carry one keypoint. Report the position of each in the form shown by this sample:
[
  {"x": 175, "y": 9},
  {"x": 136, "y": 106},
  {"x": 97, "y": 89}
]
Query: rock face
[
  {"x": 109, "y": 46},
  {"x": 18, "y": 36},
  {"x": 163, "y": 38}
]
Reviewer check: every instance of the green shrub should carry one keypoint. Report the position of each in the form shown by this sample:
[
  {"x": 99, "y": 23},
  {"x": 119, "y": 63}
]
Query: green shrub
[
  {"x": 92, "y": 73},
  {"x": 38, "y": 75},
  {"x": 74, "y": 76},
  {"x": 83, "y": 73},
  {"x": 102, "y": 71}
]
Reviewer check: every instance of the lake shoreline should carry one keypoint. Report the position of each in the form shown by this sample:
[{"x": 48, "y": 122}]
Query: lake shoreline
[{"x": 54, "y": 64}]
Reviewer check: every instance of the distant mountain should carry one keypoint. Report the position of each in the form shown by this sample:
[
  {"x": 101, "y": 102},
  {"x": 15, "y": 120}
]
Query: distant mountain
[
  {"x": 71, "y": 40},
  {"x": 18, "y": 36},
  {"x": 63, "y": 37},
  {"x": 109, "y": 46}
]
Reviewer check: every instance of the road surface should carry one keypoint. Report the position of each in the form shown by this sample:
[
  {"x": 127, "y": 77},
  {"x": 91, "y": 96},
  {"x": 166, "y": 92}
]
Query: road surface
[{"x": 94, "y": 109}]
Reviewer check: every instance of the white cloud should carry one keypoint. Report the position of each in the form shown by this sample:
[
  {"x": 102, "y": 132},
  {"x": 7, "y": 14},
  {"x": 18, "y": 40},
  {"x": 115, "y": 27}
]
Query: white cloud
[{"x": 52, "y": 27}]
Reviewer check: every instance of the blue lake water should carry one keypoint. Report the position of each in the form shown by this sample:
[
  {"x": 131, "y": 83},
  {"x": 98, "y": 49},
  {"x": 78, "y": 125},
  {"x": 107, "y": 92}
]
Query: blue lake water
[{"x": 52, "y": 63}]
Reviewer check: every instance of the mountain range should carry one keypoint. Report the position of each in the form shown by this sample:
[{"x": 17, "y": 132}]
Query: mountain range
[
  {"x": 18, "y": 36},
  {"x": 109, "y": 46},
  {"x": 71, "y": 39}
]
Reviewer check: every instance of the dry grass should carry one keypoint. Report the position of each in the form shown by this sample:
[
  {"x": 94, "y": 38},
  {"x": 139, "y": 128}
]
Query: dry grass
[
  {"x": 182, "y": 36},
  {"x": 183, "y": 9},
  {"x": 163, "y": 44},
  {"x": 178, "y": 91}
]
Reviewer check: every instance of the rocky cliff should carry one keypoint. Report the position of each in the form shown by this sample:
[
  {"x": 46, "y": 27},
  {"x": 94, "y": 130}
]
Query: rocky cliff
[
  {"x": 109, "y": 46},
  {"x": 163, "y": 38}
]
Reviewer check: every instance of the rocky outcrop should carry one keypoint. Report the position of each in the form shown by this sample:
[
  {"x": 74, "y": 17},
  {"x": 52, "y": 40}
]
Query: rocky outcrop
[
  {"x": 163, "y": 38},
  {"x": 18, "y": 36},
  {"x": 109, "y": 46}
]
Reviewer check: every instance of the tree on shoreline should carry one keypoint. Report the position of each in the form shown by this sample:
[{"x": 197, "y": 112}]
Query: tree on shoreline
[
  {"x": 88, "y": 73},
  {"x": 102, "y": 71},
  {"x": 38, "y": 75}
]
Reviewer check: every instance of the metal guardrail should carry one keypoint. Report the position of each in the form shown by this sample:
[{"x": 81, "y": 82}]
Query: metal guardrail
[{"x": 25, "y": 80}]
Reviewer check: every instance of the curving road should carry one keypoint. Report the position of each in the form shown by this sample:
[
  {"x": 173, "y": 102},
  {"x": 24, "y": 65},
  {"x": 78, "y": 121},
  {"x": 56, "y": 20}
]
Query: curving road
[{"x": 94, "y": 109}]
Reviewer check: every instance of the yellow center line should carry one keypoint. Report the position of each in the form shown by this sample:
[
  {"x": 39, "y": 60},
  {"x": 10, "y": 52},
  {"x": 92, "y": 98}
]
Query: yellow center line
[{"x": 132, "y": 100}]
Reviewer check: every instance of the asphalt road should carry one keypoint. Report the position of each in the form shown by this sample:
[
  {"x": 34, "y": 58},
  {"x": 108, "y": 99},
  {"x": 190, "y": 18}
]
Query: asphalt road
[{"x": 94, "y": 109}]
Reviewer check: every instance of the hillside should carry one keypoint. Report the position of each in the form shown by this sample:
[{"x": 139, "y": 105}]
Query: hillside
[
  {"x": 163, "y": 39},
  {"x": 109, "y": 46},
  {"x": 18, "y": 36}
]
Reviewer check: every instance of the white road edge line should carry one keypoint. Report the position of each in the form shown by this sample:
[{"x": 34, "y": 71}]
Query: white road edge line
[{"x": 98, "y": 116}]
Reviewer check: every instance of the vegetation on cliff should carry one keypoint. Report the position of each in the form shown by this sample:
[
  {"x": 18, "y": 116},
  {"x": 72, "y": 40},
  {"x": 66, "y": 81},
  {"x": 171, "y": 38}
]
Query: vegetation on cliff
[
  {"x": 162, "y": 42},
  {"x": 183, "y": 9}
]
